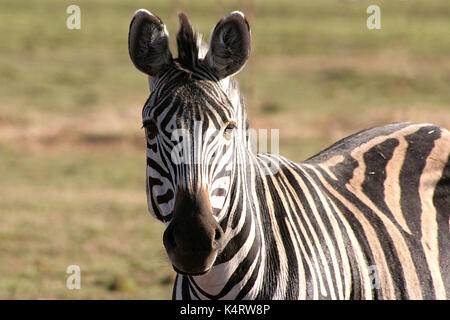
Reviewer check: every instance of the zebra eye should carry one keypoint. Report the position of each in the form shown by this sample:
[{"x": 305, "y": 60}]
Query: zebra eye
[
  {"x": 152, "y": 129},
  {"x": 229, "y": 130}
]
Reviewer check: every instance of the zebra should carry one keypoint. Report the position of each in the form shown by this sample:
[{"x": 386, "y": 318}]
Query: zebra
[{"x": 366, "y": 218}]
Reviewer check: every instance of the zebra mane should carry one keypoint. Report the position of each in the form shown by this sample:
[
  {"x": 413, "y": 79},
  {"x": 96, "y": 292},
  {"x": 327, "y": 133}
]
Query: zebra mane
[{"x": 189, "y": 42}]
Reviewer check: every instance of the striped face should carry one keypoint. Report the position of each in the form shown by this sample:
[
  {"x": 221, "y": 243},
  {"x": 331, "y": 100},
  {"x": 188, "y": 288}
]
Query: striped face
[
  {"x": 193, "y": 124},
  {"x": 190, "y": 129}
]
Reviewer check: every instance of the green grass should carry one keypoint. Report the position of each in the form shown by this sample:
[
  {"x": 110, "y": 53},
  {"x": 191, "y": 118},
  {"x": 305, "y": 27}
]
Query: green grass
[{"x": 72, "y": 156}]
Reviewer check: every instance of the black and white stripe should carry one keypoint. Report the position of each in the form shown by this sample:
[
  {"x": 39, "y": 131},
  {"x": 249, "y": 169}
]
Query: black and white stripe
[{"x": 367, "y": 218}]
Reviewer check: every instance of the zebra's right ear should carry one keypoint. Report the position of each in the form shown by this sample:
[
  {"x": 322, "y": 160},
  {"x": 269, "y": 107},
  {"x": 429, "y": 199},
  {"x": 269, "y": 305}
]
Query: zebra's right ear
[
  {"x": 229, "y": 45},
  {"x": 148, "y": 43}
]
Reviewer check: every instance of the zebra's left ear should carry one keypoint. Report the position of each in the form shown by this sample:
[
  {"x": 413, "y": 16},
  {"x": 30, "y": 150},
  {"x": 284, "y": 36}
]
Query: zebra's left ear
[{"x": 229, "y": 45}]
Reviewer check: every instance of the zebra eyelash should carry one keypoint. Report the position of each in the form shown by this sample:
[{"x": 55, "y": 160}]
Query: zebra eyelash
[{"x": 147, "y": 122}]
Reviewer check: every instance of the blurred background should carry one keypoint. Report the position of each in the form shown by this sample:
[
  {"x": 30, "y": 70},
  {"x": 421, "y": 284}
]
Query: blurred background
[{"x": 72, "y": 151}]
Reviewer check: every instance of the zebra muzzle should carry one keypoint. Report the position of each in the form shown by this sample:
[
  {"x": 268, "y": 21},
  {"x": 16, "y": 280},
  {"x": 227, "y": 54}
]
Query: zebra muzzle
[{"x": 193, "y": 237}]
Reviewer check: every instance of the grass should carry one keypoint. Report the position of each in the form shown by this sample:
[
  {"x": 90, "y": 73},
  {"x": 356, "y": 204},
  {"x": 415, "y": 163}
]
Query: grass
[
  {"x": 72, "y": 154},
  {"x": 87, "y": 209}
]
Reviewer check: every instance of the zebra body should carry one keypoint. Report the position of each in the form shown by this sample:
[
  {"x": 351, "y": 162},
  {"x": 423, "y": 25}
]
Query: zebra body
[
  {"x": 326, "y": 221},
  {"x": 367, "y": 218}
]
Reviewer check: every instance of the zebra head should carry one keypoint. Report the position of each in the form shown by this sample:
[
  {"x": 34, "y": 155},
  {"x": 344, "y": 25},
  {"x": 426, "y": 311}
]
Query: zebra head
[{"x": 194, "y": 124}]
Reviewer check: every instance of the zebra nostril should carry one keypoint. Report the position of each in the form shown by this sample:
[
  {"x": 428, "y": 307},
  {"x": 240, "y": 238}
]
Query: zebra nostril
[
  {"x": 170, "y": 240},
  {"x": 218, "y": 237}
]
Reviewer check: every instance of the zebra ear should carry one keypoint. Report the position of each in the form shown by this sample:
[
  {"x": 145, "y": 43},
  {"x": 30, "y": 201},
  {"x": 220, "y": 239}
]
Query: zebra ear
[
  {"x": 229, "y": 45},
  {"x": 148, "y": 43}
]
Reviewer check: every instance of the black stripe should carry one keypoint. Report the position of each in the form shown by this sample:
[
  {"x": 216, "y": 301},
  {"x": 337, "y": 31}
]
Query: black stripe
[
  {"x": 441, "y": 200},
  {"x": 420, "y": 145},
  {"x": 154, "y": 165},
  {"x": 251, "y": 281},
  {"x": 235, "y": 244},
  {"x": 280, "y": 216},
  {"x": 376, "y": 160},
  {"x": 185, "y": 288},
  {"x": 166, "y": 197},
  {"x": 272, "y": 261}
]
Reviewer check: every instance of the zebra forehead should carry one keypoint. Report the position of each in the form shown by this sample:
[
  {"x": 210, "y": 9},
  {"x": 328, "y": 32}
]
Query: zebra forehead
[{"x": 191, "y": 100}]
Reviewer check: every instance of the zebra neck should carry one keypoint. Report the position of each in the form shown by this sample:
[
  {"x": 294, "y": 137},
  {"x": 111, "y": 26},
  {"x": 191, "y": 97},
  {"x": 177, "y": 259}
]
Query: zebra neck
[{"x": 238, "y": 264}]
